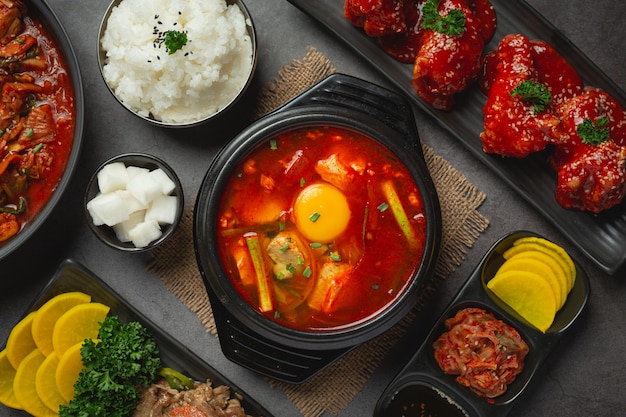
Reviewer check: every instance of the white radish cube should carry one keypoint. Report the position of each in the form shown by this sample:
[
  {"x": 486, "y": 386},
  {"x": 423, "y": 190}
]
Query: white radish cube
[
  {"x": 163, "y": 209},
  {"x": 144, "y": 188},
  {"x": 133, "y": 171},
  {"x": 122, "y": 230},
  {"x": 109, "y": 208},
  {"x": 131, "y": 201},
  {"x": 112, "y": 177},
  {"x": 145, "y": 232},
  {"x": 97, "y": 221},
  {"x": 167, "y": 185}
]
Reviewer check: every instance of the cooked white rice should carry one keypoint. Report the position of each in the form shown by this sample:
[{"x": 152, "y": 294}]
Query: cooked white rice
[{"x": 193, "y": 83}]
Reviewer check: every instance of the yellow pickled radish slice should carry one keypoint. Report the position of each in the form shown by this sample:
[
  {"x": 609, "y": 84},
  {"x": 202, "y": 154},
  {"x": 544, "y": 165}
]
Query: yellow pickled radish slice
[
  {"x": 24, "y": 385},
  {"x": 7, "y": 376},
  {"x": 551, "y": 248},
  {"x": 45, "y": 383},
  {"x": 542, "y": 265},
  {"x": 49, "y": 313},
  {"x": 70, "y": 365},
  {"x": 20, "y": 342},
  {"x": 77, "y": 324},
  {"x": 528, "y": 294}
]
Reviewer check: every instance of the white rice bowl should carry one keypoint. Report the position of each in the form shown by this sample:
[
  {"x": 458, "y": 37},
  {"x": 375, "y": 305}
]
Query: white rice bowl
[{"x": 193, "y": 83}]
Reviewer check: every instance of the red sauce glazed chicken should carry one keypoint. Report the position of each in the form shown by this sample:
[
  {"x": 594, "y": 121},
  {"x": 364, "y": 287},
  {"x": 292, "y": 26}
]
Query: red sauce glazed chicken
[
  {"x": 537, "y": 100},
  {"x": 444, "y": 39},
  {"x": 486, "y": 353}
]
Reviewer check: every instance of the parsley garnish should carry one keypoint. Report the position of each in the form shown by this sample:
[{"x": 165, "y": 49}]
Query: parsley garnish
[
  {"x": 593, "y": 133},
  {"x": 535, "y": 93},
  {"x": 125, "y": 360},
  {"x": 174, "y": 40},
  {"x": 452, "y": 24}
]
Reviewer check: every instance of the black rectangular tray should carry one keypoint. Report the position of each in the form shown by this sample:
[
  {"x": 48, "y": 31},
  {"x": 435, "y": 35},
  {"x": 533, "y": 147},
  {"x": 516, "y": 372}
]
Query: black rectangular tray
[
  {"x": 73, "y": 276},
  {"x": 423, "y": 369},
  {"x": 601, "y": 238}
]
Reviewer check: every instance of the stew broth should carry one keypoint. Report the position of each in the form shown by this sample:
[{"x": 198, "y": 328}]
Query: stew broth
[
  {"x": 37, "y": 118},
  {"x": 320, "y": 228}
]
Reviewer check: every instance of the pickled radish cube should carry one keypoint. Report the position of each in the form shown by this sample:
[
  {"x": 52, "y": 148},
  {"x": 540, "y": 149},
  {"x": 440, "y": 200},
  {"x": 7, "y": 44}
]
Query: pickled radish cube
[
  {"x": 167, "y": 185},
  {"x": 145, "y": 232},
  {"x": 97, "y": 221},
  {"x": 108, "y": 208},
  {"x": 131, "y": 201},
  {"x": 134, "y": 171},
  {"x": 163, "y": 209},
  {"x": 144, "y": 187},
  {"x": 122, "y": 230},
  {"x": 112, "y": 177}
]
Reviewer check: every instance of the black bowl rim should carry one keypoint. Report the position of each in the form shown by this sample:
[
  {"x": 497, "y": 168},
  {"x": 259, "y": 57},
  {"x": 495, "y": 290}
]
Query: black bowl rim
[
  {"x": 103, "y": 232},
  {"x": 258, "y": 133},
  {"x": 55, "y": 28},
  {"x": 251, "y": 29}
]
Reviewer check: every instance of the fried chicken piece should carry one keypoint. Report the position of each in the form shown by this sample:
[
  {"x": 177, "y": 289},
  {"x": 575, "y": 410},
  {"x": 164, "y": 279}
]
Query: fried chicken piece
[
  {"x": 591, "y": 164},
  {"x": 447, "y": 64},
  {"x": 512, "y": 127}
]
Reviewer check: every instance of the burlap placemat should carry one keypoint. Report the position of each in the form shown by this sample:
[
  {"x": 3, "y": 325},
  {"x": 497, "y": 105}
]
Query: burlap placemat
[{"x": 334, "y": 388}]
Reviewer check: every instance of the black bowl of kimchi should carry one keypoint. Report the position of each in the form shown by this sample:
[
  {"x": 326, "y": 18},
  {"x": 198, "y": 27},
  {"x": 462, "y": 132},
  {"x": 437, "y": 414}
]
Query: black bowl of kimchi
[
  {"x": 316, "y": 228},
  {"x": 41, "y": 143}
]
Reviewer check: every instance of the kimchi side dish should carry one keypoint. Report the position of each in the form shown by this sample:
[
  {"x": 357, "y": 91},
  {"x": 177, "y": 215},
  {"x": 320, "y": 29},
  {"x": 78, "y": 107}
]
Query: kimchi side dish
[{"x": 320, "y": 228}]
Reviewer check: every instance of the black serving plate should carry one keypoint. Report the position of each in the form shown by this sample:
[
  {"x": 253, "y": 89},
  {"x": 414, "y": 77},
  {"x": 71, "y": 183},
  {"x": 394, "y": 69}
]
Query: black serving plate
[
  {"x": 422, "y": 383},
  {"x": 602, "y": 237},
  {"x": 72, "y": 276}
]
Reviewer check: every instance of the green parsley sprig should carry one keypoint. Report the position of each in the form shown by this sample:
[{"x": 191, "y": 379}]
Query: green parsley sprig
[
  {"x": 117, "y": 367},
  {"x": 175, "y": 40},
  {"x": 533, "y": 92},
  {"x": 593, "y": 133},
  {"x": 452, "y": 24}
]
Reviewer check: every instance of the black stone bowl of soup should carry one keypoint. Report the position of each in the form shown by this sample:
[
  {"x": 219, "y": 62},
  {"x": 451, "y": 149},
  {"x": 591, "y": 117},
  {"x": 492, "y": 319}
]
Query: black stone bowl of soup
[
  {"x": 43, "y": 139},
  {"x": 316, "y": 228}
]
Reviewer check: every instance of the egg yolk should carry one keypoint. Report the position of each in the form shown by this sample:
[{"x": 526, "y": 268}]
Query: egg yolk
[{"x": 321, "y": 212}]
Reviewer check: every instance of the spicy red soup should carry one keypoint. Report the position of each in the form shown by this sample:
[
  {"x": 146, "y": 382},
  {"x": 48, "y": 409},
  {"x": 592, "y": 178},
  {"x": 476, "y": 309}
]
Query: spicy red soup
[
  {"x": 321, "y": 227},
  {"x": 36, "y": 117}
]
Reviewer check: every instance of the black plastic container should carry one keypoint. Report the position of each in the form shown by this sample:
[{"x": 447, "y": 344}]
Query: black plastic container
[
  {"x": 248, "y": 338},
  {"x": 422, "y": 384}
]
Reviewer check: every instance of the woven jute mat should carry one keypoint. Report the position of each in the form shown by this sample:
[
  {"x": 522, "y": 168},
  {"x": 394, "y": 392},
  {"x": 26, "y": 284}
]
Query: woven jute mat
[{"x": 334, "y": 388}]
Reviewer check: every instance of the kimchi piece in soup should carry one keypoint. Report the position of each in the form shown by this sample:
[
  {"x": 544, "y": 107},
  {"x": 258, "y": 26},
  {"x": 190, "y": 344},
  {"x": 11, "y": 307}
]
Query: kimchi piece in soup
[{"x": 320, "y": 228}]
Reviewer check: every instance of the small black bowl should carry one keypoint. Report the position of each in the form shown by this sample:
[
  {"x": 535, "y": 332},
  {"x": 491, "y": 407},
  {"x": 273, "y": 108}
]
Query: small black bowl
[
  {"x": 251, "y": 32},
  {"x": 141, "y": 160}
]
